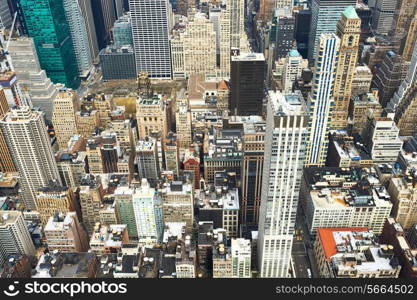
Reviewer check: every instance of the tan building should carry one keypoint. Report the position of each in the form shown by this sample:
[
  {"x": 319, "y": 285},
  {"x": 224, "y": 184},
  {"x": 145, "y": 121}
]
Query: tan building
[
  {"x": 6, "y": 160},
  {"x": 362, "y": 80},
  {"x": 90, "y": 194},
  {"x": 87, "y": 121},
  {"x": 353, "y": 253},
  {"x": 103, "y": 104},
  {"x": 222, "y": 262},
  {"x": 183, "y": 123},
  {"x": 411, "y": 39},
  {"x": 108, "y": 239},
  {"x": 178, "y": 203},
  {"x": 171, "y": 151},
  {"x": 151, "y": 115},
  {"x": 361, "y": 107},
  {"x": 55, "y": 198},
  {"x": 64, "y": 233},
  {"x": 403, "y": 192},
  {"x": 403, "y": 16},
  {"x": 406, "y": 112},
  {"x": 348, "y": 30},
  {"x": 63, "y": 117},
  {"x": 108, "y": 215}
]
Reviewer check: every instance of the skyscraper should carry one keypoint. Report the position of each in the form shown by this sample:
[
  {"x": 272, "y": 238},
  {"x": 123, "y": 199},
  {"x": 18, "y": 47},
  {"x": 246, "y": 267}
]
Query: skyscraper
[
  {"x": 324, "y": 17},
  {"x": 28, "y": 140},
  {"x": 14, "y": 235},
  {"x": 87, "y": 11},
  {"x": 321, "y": 99},
  {"x": 348, "y": 30},
  {"x": 47, "y": 24},
  {"x": 237, "y": 17},
  {"x": 150, "y": 29},
  {"x": 383, "y": 16},
  {"x": 65, "y": 106},
  {"x": 285, "y": 151},
  {"x": 6, "y": 160},
  {"x": 78, "y": 31},
  {"x": 247, "y": 84}
]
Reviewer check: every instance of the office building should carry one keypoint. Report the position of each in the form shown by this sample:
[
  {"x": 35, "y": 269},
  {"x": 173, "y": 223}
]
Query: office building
[
  {"x": 53, "y": 198},
  {"x": 321, "y": 99},
  {"x": 381, "y": 137},
  {"x": 403, "y": 192},
  {"x": 362, "y": 80},
  {"x": 410, "y": 39},
  {"x": 87, "y": 121},
  {"x": 78, "y": 32},
  {"x": 6, "y": 160},
  {"x": 354, "y": 253},
  {"x": 389, "y": 75},
  {"x": 283, "y": 33},
  {"x": 33, "y": 80},
  {"x": 183, "y": 123},
  {"x": 344, "y": 197},
  {"x": 124, "y": 207},
  {"x": 29, "y": 143},
  {"x": 63, "y": 117},
  {"x": 324, "y": 17},
  {"x": 14, "y": 236},
  {"x": 151, "y": 115},
  {"x": 285, "y": 152},
  {"x": 252, "y": 170},
  {"x": 361, "y": 107},
  {"x": 108, "y": 239},
  {"x": 86, "y": 7},
  {"x": 178, "y": 203},
  {"x": 147, "y": 208},
  {"x": 241, "y": 258},
  {"x": 171, "y": 153},
  {"x": 147, "y": 159},
  {"x": 5, "y": 16},
  {"x": 64, "y": 233},
  {"x": 293, "y": 66},
  {"x": 90, "y": 195},
  {"x": 247, "y": 84},
  {"x": 122, "y": 31},
  {"x": 150, "y": 28},
  {"x": 50, "y": 30},
  {"x": 348, "y": 30},
  {"x": 383, "y": 16}
]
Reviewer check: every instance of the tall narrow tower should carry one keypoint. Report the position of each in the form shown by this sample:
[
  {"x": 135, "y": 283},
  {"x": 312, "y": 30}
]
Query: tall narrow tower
[
  {"x": 348, "y": 30},
  {"x": 285, "y": 150},
  {"x": 28, "y": 140},
  {"x": 321, "y": 99}
]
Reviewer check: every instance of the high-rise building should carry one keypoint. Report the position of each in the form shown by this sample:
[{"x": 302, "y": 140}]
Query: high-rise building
[
  {"x": 150, "y": 28},
  {"x": 348, "y": 30},
  {"x": 124, "y": 208},
  {"x": 64, "y": 107},
  {"x": 247, "y": 84},
  {"x": 403, "y": 192},
  {"x": 362, "y": 80},
  {"x": 252, "y": 170},
  {"x": 267, "y": 7},
  {"x": 53, "y": 198},
  {"x": 118, "y": 63},
  {"x": 407, "y": 83},
  {"x": 147, "y": 159},
  {"x": 6, "y": 160},
  {"x": 49, "y": 28},
  {"x": 321, "y": 99},
  {"x": 90, "y": 194},
  {"x": 5, "y": 16},
  {"x": 324, "y": 18},
  {"x": 151, "y": 115},
  {"x": 27, "y": 137},
  {"x": 78, "y": 33},
  {"x": 293, "y": 67},
  {"x": 410, "y": 39},
  {"x": 147, "y": 208},
  {"x": 33, "y": 81},
  {"x": 14, "y": 235},
  {"x": 183, "y": 123},
  {"x": 389, "y": 75},
  {"x": 122, "y": 31},
  {"x": 237, "y": 17},
  {"x": 178, "y": 203},
  {"x": 241, "y": 258},
  {"x": 171, "y": 153},
  {"x": 383, "y": 16},
  {"x": 87, "y": 12},
  {"x": 64, "y": 233},
  {"x": 403, "y": 15},
  {"x": 285, "y": 152},
  {"x": 284, "y": 33},
  {"x": 381, "y": 137}
]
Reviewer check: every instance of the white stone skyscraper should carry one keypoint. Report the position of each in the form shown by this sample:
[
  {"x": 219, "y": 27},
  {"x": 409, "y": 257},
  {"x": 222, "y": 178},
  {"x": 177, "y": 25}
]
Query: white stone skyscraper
[
  {"x": 14, "y": 235},
  {"x": 87, "y": 11},
  {"x": 285, "y": 151},
  {"x": 321, "y": 99},
  {"x": 79, "y": 36},
  {"x": 26, "y": 135},
  {"x": 150, "y": 31},
  {"x": 237, "y": 17}
]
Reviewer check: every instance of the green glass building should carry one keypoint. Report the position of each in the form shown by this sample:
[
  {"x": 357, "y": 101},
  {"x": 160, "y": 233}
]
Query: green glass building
[{"x": 45, "y": 22}]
